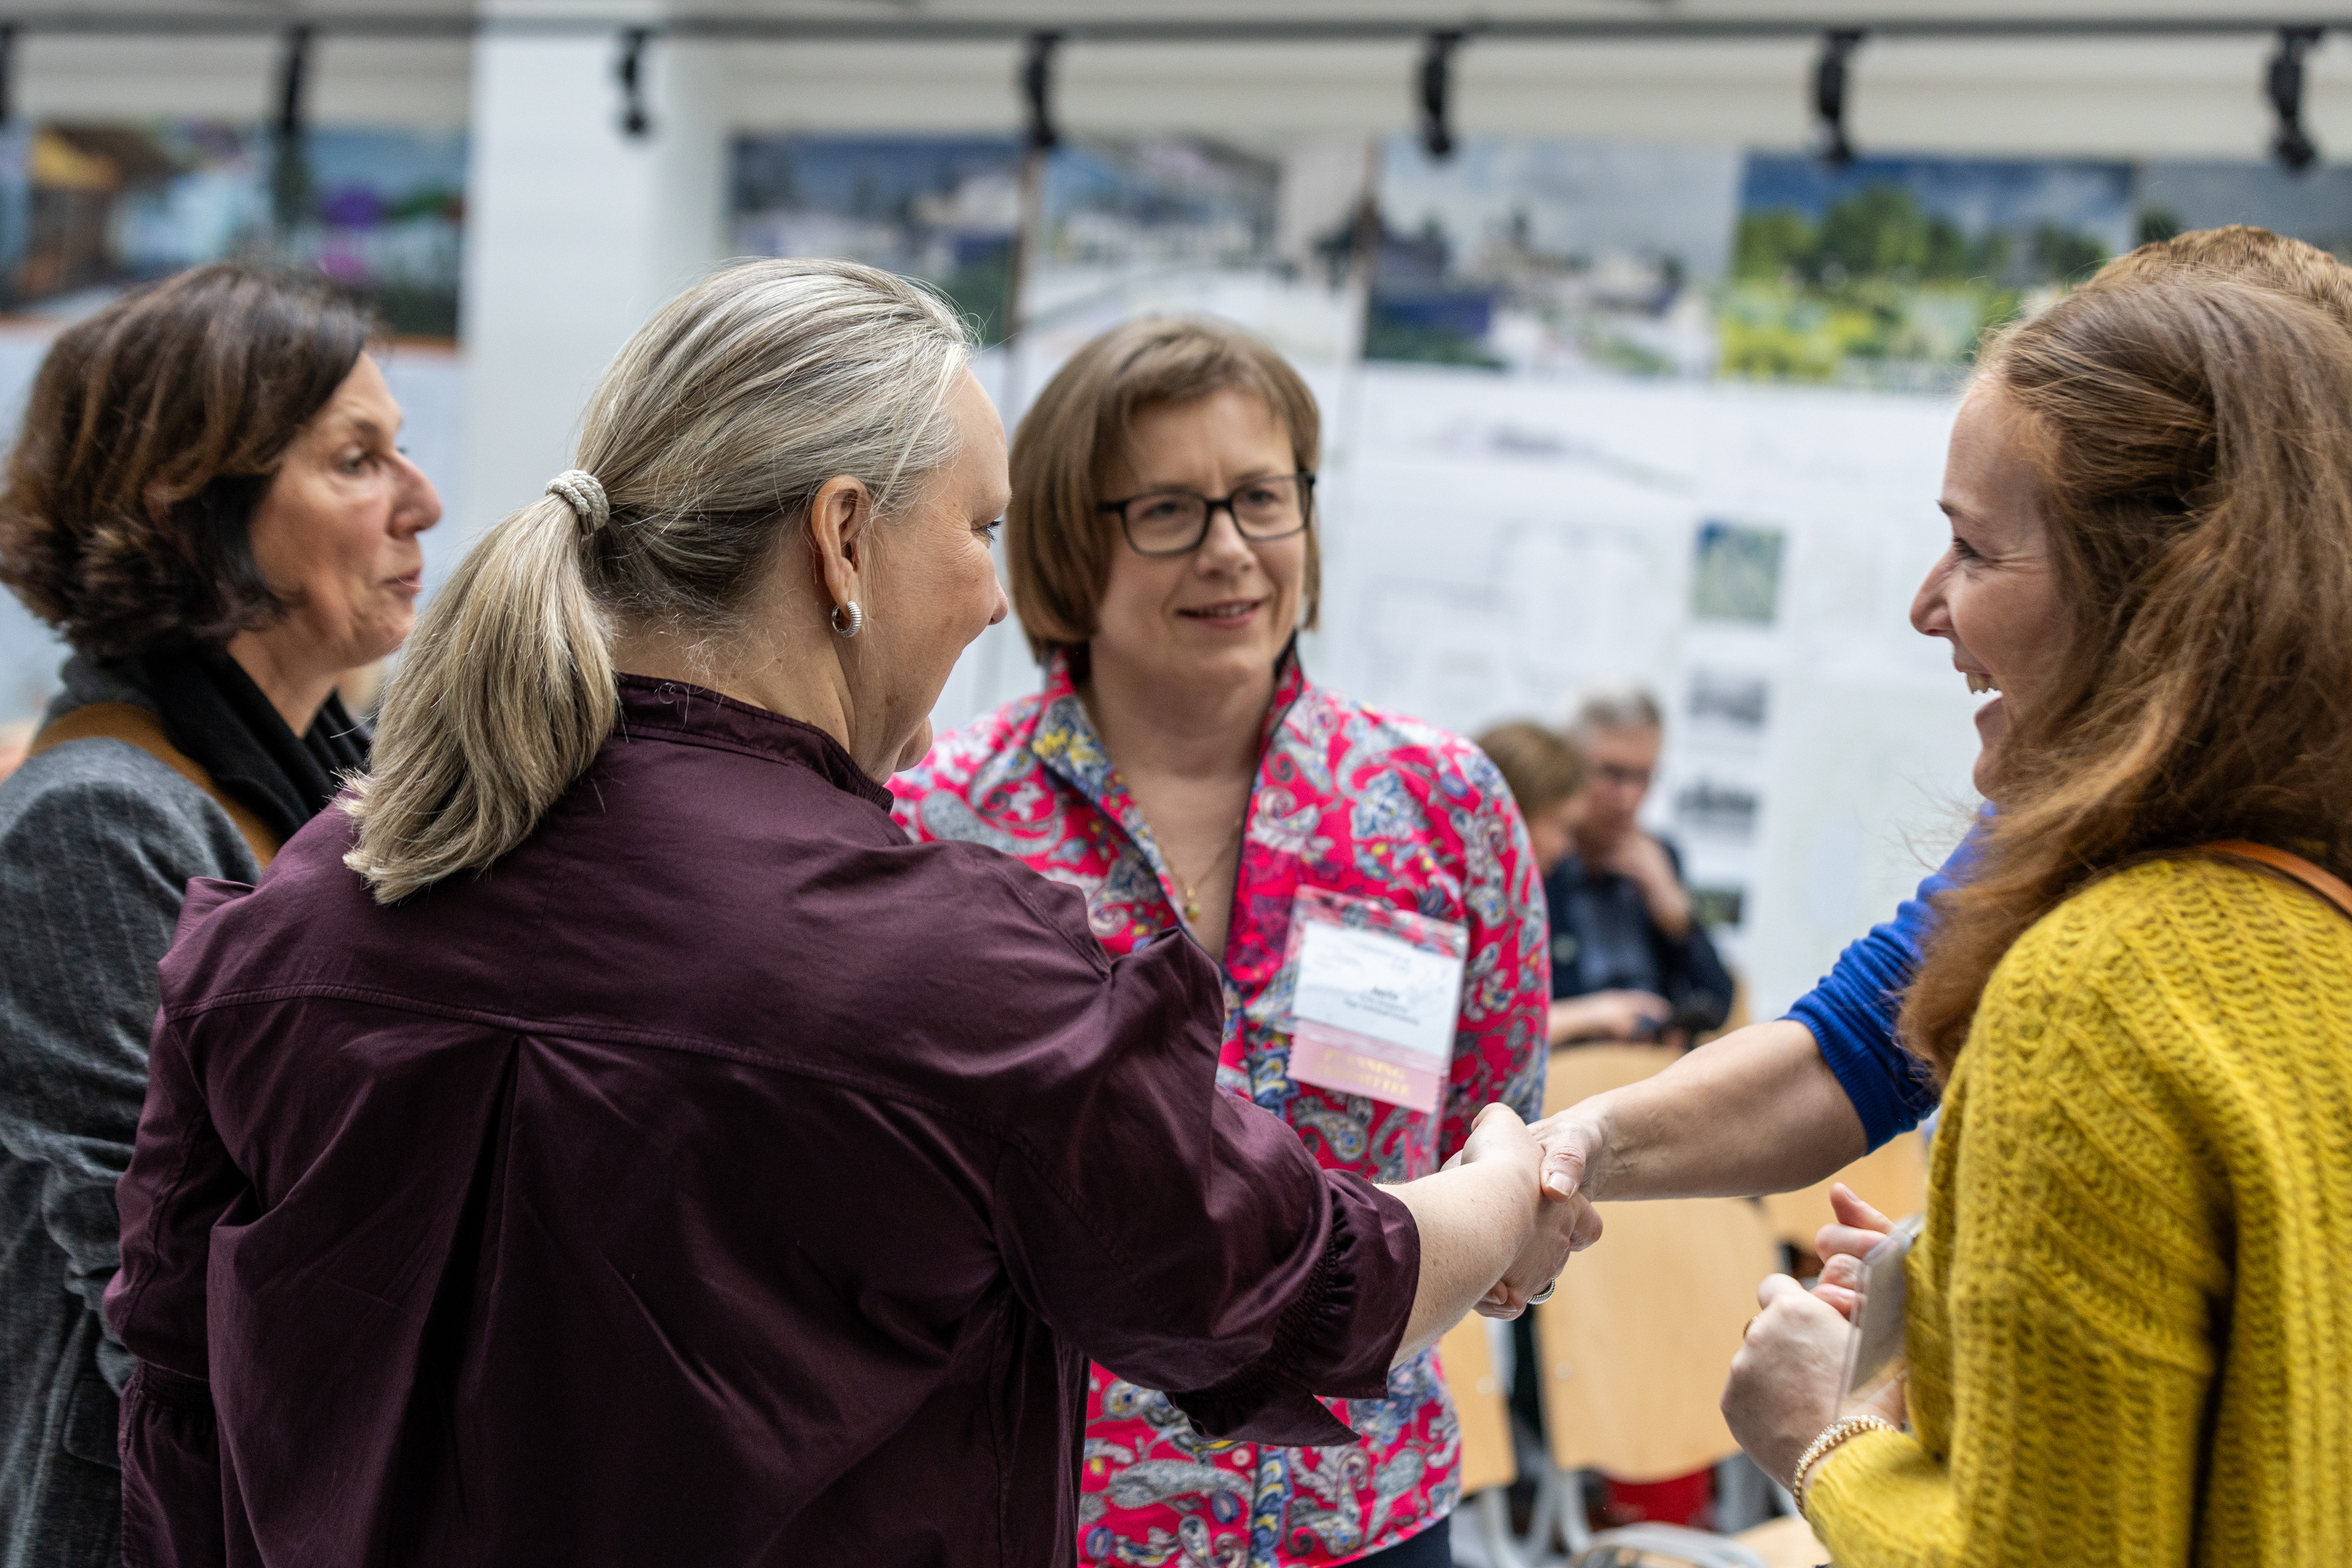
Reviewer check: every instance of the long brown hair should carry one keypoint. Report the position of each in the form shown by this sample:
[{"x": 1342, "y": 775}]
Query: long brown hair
[{"x": 2192, "y": 442}]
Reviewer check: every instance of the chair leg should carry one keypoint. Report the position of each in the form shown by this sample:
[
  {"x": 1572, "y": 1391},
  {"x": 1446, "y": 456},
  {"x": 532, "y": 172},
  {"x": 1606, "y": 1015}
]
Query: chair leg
[
  {"x": 1490, "y": 1523},
  {"x": 1743, "y": 1495},
  {"x": 1568, "y": 1509},
  {"x": 1556, "y": 1523}
]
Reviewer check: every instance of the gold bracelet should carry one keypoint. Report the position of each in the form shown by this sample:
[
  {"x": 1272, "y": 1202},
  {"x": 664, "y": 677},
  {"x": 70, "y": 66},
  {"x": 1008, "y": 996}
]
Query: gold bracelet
[{"x": 1838, "y": 1433}]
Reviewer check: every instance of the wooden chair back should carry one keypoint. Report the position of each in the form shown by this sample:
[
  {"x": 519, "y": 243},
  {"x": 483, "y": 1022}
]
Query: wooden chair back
[
  {"x": 1890, "y": 1178},
  {"x": 1635, "y": 1345},
  {"x": 1483, "y": 1405}
]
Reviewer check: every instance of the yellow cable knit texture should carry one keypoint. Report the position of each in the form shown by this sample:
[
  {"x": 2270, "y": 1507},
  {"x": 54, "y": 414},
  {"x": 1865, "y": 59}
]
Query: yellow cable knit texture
[{"x": 2131, "y": 1311}]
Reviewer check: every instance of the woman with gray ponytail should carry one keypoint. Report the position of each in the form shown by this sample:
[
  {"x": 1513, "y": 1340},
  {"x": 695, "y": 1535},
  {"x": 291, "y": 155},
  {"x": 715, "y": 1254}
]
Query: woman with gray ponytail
[{"x": 609, "y": 1139}]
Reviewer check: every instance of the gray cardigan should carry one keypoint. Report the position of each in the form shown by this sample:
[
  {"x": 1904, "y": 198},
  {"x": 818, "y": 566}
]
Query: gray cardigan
[{"x": 97, "y": 841}]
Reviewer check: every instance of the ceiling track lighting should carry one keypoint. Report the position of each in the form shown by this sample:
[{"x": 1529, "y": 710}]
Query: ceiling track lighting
[
  {"x": 289, "y": 174},
  {"x": 2293, "y": 146},
  {"x": 293, "y": 82},
  {"x": 1437, "y": 93},
  {"x": 629, "y": 70},
  {"x": 1038, "y": 90},
  {"x": 8, "y": 74},
  {"x": 1832, "y": 76}
]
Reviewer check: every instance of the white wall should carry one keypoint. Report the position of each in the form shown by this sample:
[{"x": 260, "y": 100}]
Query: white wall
[{"x": 576, "y": 235}]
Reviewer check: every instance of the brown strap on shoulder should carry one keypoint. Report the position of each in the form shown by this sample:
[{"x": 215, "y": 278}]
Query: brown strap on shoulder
[
  {"x": 2327, "y": 885},
  {"x": 137, "y": 726}
]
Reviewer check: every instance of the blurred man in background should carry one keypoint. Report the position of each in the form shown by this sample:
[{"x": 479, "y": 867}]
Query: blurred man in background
[{"x": 1629, "y": 960}]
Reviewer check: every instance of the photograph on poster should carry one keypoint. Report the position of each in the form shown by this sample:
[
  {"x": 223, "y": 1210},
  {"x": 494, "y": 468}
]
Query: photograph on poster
[
  {"x": 1262, "y": 236},
  {"x": 89, "y": 209},
  {"x": 1718, "y": 907},
  {"x": 1728, "y": 708},
  {"x": 385, "y": 217},
  {"x": 941, "y": 208},
  {"x": 1885, "y": 273},
  {"x": 1551, "y": 256},
  {"x": 1717, "y": 808},
  {"x": 1737, "y": 575}
]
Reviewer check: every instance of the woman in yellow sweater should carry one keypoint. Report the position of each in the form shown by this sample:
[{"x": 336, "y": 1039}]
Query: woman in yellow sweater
[{"x": 2129, "y": 1314}]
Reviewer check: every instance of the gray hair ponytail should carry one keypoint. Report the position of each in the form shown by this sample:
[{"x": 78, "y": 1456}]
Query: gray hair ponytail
[{"x": 705, "y": 441}]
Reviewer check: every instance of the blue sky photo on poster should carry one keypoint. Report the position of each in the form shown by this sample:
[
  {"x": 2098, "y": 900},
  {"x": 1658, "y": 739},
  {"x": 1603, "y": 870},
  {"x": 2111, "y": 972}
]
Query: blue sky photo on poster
[
  {"x": 1551, "y": 256},
  {"x": 1885, "y": 273},
  {"x": 89, "y": 209},
  {"x": 941, "y": 208}
]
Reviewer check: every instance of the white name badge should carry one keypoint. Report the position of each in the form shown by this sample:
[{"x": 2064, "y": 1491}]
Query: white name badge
[{"x": 1373, "y": 1007}]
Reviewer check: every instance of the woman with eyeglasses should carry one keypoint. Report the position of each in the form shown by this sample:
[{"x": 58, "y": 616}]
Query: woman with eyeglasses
[{"x": 1181, "y": 770}]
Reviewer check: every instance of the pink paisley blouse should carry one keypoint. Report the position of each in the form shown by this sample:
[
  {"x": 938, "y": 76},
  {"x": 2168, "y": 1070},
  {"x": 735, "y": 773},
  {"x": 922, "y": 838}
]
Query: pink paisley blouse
[{"x": 1349, "y": 800}]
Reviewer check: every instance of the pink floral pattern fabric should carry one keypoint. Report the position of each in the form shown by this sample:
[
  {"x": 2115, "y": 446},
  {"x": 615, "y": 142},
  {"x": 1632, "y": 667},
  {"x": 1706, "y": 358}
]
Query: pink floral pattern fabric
[{"x": 1347, "y": 799}]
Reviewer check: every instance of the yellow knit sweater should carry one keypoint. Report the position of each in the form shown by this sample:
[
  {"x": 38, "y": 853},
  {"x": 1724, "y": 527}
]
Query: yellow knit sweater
[{"x": 2131, "y": 1311}]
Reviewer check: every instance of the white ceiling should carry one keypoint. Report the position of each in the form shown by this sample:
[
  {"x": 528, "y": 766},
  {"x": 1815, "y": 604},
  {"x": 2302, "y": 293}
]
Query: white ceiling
[
  {"x": 1078, "y": 13},
  {"x": 2102, "y": 96}
]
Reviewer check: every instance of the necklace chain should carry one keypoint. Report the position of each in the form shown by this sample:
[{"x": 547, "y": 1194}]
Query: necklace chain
[{"x": 1192, "y": 907}]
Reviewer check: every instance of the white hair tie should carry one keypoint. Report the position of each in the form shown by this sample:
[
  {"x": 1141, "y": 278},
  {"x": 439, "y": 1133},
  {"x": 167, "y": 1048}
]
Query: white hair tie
[{"x": 584, "y": 494}]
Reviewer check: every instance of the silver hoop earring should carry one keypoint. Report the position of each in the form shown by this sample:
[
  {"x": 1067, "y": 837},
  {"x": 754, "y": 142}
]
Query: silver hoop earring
[{"x": 856, "y": 619}]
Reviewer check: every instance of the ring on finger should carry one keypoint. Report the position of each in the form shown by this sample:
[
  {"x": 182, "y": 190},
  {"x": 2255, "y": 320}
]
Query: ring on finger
[{"x": 1540, "y": 1297}]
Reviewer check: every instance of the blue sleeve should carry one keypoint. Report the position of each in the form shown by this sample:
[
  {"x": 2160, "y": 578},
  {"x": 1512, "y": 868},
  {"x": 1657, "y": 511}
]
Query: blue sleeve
[{"x": 1852, "y": 1012}]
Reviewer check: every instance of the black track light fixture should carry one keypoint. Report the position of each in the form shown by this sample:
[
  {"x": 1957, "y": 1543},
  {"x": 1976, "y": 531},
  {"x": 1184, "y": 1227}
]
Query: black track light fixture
[
  {"x": 1832, "y": 76},
  {"x": 289, "y": 173},
  {"x": 630, "y": 71},
  {"x": 8, "y": 74},
  {"x": 2293, "y": 146},
  {"x": 1437, "y": 93},
  {"x": 1038, "y": 90},
  {"x": 293, "y": 81}
]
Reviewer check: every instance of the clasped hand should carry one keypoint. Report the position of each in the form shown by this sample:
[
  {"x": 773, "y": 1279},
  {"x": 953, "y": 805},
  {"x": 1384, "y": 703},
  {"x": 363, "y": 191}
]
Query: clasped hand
[
  {"x": 1564, "y": 1223},
  {"x": 1783, "y": 1388}
]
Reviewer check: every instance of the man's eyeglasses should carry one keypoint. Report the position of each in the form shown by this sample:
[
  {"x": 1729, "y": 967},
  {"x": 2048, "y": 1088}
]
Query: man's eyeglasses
[{"x": 1174, "y": 522}]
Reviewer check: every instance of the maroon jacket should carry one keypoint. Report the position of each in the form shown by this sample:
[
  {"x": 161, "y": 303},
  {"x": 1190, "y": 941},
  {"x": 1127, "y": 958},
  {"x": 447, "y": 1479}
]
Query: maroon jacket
[{"x": 720, "y": 1180}]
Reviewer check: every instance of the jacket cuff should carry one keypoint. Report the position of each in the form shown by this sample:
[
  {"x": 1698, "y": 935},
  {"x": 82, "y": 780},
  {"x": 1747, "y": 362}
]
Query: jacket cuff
[{"x": 1336, "y": 1336}]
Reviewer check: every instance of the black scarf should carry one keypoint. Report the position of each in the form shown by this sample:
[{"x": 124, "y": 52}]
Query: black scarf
[{"x": 212, "y": 711}]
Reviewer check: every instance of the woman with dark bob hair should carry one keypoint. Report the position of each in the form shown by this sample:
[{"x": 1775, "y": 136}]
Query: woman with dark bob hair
[{"x": 207, "y": 502}]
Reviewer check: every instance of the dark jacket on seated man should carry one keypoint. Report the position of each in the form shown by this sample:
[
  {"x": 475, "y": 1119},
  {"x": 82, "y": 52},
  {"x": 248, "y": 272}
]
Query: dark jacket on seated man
[{"x": 1602, "y": 939}]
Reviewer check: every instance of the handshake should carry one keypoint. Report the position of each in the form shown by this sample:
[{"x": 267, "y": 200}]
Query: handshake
[{"x": 1556, "y": 1216}]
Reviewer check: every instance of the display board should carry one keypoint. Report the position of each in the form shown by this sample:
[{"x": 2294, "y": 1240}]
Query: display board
[{"x": 1593, "y": 411}]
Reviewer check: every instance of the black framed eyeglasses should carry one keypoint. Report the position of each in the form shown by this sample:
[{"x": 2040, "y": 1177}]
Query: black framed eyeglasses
[{"x": 1174, "y": 522}]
